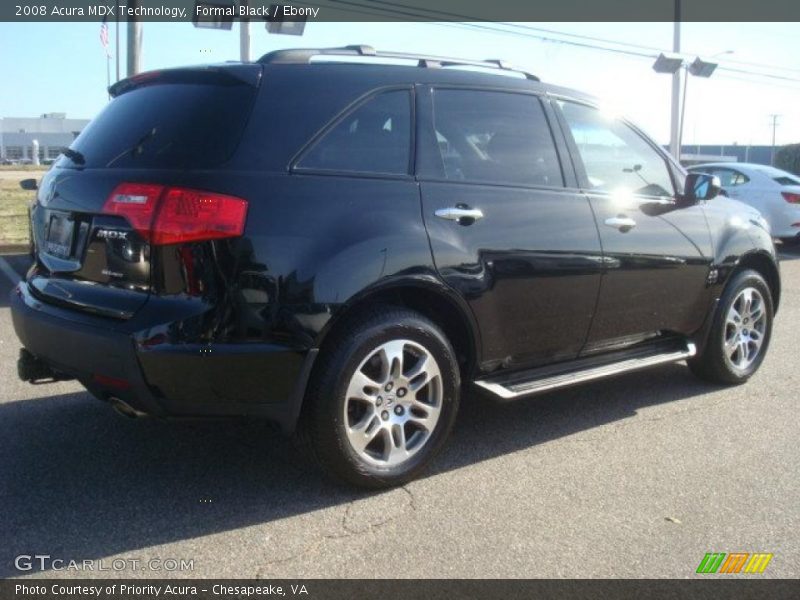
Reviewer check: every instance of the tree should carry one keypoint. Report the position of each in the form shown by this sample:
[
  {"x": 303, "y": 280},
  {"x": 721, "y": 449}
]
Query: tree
[{"x": 788, "y": 158}]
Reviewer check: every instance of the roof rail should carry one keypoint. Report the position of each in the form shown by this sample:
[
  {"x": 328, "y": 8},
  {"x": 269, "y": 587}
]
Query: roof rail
[{"x": 295, "y": 56}]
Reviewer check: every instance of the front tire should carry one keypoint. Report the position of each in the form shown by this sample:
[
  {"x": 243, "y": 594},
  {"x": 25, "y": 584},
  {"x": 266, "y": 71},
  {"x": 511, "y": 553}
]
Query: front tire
[
  {"x": 740, "y": 333},
  {"x": 382, "y": 400}
]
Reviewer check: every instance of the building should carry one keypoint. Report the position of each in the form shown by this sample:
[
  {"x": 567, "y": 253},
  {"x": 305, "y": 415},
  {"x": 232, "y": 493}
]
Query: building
[
  {"x": 53, "y": 131},
  {"x": 706, "y": 153}
]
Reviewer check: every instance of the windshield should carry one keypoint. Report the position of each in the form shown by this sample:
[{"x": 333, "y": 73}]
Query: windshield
[{"x": 170, "y": 125}]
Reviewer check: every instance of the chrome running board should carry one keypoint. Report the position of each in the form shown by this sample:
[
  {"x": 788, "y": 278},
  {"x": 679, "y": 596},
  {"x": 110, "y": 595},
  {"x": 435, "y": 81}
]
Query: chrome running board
[{"x": 535, "y": 381}]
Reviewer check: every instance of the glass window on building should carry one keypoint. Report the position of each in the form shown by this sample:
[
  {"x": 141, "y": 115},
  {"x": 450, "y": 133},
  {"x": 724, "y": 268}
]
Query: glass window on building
[{"x": 14, "y": 152}]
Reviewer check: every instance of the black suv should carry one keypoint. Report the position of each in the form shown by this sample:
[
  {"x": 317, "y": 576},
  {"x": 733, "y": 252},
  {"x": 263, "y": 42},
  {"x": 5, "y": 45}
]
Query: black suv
[{"x": 342, "y": 246}]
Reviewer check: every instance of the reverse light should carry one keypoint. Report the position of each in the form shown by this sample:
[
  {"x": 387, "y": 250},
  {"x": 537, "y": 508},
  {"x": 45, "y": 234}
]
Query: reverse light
[
  {"x": 791, "y": 197},
  {"x": 174, "y": 215}
]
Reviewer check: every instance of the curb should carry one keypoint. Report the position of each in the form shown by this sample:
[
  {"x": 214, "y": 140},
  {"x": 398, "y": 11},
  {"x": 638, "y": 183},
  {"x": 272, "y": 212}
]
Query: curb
[{"x": 14, "y": 248}]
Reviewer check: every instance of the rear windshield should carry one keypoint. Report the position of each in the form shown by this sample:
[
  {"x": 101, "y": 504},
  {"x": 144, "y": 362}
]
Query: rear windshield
[
  {"x": 787, "y": 180},
  {"x": 168, "y": 125}
]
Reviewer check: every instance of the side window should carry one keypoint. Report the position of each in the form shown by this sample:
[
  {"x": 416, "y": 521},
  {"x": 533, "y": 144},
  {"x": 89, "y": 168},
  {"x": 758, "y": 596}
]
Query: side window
[
  {"x": 737, "y": 178},
  {"x": 727, "y": 177},
  {"x": 495, "y": 137},
  {"x": 786, "y": 180},
  {"x": 711, "y": 171},
  {"x": 615, "y": 156},
  {"x": 374, "y": 138}
]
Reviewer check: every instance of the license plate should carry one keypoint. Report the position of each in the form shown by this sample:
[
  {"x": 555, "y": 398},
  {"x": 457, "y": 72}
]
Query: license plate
[{"x": 59, "y": 236}]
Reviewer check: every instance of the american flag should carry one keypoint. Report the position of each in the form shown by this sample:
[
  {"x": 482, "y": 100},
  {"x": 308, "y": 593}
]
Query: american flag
[{"x": 104, "y": 36}]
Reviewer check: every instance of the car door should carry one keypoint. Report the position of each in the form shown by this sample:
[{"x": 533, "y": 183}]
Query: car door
[
  {"x": 509, "y": 229},
  {"x": 657, "y": 253}
]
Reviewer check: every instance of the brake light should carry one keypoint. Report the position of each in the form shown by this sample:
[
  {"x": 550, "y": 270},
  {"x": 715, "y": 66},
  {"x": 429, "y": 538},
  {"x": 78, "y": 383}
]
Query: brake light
[
  {"x": 791, "y": 197},
  {"x": 174, "y": 215}
]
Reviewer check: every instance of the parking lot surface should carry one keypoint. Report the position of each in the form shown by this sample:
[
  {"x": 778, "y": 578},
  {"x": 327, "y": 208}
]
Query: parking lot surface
[{"x": 637, "y": 476}]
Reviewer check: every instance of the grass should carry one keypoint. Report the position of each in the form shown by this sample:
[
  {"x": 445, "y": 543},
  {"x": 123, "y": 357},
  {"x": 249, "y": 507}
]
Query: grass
[
  {"x": 13, "y": 207},
  {"x": 23, "y": 168}
]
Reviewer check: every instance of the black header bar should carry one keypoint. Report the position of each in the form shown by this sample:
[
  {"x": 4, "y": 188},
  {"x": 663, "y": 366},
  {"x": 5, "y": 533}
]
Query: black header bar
[
  {"x": 386, "y": 589},
  {"x": 402, "y": 10}
]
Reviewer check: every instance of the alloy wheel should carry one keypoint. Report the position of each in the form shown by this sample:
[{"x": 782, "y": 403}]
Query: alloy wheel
[
  {"x": 745, "y": 326},
  {"x": 393, "y": 403}
]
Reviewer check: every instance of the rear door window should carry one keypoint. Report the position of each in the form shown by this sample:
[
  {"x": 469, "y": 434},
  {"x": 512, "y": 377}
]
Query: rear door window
[
  {"x": 495, "y": 137},
  {"x": 166, "y": 125},
  {"x": 375, "y": 137}
]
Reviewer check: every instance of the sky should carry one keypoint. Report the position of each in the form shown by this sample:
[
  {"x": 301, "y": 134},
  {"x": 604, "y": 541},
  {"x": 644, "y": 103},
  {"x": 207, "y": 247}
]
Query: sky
[{"x": 61, "y": 67}]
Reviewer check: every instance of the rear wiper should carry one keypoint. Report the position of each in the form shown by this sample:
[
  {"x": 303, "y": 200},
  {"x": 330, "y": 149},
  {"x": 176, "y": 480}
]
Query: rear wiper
[
  {"x": 136, "y": 149},
  {"x": 74, "y": 156}
]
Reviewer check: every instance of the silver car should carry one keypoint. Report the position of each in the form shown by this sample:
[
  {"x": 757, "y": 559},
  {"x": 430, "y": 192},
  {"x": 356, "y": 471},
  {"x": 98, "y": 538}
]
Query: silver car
[{"x": 773, "y": 192}]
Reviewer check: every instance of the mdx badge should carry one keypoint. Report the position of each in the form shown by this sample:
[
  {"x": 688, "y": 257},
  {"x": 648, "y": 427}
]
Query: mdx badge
[{"x": 111, "y": 234}]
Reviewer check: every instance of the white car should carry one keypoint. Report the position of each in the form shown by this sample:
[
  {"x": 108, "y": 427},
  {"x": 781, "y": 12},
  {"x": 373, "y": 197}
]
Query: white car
[{"x": 775, "y": 193}]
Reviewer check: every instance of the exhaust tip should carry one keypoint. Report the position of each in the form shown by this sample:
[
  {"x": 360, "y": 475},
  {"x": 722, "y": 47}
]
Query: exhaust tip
[{"x": 125, "y": 409}]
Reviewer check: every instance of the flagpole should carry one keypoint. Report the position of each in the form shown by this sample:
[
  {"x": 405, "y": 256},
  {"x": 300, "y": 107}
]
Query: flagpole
[{"x": 116, "y": 39}]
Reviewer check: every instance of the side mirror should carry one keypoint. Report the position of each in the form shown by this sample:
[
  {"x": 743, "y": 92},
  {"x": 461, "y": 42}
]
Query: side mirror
[
  {"x": 29, "y": 185},
  {"x": 700, "y": 186}
]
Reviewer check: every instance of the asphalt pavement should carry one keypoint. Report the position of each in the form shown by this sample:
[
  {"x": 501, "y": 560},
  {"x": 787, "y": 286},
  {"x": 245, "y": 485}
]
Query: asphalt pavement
[{"x": 638, "y": 476}]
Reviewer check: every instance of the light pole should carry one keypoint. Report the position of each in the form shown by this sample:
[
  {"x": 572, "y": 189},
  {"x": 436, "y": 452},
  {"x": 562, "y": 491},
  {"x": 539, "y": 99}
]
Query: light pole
[
  {"x": 244, "y": 34},
  {"x": 134, "y": 41},
  {"x": 721, "y": 53},
  {"x": 673, "y": 64},
  {"x": 774, "y": 127},
  {"x": 205, "y": 17},
  {"x": 698, "y": 68},
  {"x": 674, "y": 143}
]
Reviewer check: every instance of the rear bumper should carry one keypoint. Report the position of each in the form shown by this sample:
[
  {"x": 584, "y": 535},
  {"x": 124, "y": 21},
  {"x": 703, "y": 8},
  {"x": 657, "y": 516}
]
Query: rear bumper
[
  {"x": 183, "y": 380},
  {"x": 782, "y": 221}
]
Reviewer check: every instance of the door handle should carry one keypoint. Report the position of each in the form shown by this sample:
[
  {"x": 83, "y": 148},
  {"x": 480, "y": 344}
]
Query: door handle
[
  {"x": 622, "y": 223},
  {"x": 456, "y": 213}
]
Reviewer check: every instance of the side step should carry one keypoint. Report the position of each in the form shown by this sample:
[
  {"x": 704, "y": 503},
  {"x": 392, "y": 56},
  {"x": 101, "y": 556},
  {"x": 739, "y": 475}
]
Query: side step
[{"x": 534, "y": 381}]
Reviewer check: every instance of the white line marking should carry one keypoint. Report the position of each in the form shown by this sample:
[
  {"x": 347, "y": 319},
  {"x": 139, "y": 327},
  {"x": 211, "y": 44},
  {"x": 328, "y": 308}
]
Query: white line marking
[{"x": 10, "y": 273}]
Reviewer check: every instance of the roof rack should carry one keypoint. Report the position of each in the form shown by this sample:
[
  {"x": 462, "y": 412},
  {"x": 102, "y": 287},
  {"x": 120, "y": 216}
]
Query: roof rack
[{"x": 295, "y": 56}]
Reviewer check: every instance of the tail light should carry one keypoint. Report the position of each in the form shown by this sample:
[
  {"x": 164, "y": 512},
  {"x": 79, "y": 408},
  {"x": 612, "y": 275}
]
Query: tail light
[
  {"x": 791, "y": 197},
  {"x": 173, "y": 215}
]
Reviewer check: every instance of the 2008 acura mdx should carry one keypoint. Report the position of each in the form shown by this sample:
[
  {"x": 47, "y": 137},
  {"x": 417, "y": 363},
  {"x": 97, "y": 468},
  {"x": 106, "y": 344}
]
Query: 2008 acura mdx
[{"x": 342, "y": 247}]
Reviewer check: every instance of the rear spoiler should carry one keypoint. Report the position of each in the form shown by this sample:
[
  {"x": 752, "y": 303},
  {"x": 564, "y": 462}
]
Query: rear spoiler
[{"x": 226, "y": 74}]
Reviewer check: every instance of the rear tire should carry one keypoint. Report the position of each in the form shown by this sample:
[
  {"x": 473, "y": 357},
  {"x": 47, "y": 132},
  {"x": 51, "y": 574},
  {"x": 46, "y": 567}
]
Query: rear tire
[
  {"x": 382, "y": 399},
  {"x": 740, "y": 333}
]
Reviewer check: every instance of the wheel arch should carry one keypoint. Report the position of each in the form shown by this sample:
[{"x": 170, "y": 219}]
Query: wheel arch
[
  {"x": 758, "y": 260},
  {"x": 762, "y": 263},
  {"x": 425, "y": 295}
]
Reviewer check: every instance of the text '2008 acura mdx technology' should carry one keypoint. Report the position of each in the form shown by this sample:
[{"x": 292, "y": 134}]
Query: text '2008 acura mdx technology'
[{"x": 343, "y": 247}]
